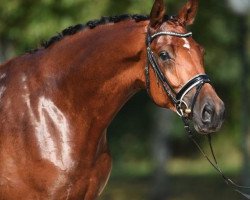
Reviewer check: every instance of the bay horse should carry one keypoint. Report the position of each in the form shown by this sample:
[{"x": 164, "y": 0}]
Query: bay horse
[{"x": 57, "y": 102}]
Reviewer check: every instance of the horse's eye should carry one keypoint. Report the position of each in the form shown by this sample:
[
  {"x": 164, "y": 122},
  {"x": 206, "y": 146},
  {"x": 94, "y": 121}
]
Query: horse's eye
[{"x": 164, "y": 56}]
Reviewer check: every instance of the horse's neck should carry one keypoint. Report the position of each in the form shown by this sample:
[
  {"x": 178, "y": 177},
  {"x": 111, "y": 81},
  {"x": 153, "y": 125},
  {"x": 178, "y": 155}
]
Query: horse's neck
[{"x": 105, "y": 67}]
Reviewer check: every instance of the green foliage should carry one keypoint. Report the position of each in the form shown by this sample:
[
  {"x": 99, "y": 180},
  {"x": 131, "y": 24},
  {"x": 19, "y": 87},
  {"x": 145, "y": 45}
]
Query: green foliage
[{"x": 25, "y": 23}]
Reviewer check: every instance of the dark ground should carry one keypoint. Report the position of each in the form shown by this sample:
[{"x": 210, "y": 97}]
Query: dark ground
[{"x": 181, "y": 188}]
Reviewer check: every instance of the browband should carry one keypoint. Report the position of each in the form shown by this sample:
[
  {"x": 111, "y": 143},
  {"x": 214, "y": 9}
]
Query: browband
[{"x": 177, "y": 98}]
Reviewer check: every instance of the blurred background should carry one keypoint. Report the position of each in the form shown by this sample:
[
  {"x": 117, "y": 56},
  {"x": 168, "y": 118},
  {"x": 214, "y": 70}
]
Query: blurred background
[{"x": 152, "y": 156}]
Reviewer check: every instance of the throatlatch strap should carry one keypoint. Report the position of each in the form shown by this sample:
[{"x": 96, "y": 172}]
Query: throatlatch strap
[{"x": 177, "y": 99}]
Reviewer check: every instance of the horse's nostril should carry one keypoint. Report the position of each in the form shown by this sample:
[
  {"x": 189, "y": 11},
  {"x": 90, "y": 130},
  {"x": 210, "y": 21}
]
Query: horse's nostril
[{"x": 207, "y": 114}]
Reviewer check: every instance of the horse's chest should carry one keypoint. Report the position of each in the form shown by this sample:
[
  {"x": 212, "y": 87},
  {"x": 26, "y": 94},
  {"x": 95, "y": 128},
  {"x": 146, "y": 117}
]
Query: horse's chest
[
  {"x": 44, "y": 180},
  {"x": 85, "y": 182},
  {"x": 49, "y": 160}
]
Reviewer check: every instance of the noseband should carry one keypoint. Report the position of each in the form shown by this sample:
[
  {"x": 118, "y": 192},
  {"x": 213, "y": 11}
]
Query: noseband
[
  {"x": 182, "y": 107},
  {"x": 177, "y": 98}
]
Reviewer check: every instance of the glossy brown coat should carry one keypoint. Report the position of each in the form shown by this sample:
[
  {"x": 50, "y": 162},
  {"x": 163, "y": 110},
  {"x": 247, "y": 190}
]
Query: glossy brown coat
[
  {"x": 55, "y": 112},
  {"x": 56, "y": 104}
]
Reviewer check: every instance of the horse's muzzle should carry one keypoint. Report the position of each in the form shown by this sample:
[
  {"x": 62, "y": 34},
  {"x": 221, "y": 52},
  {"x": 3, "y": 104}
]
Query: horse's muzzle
[{"x": 209, "y": 116}]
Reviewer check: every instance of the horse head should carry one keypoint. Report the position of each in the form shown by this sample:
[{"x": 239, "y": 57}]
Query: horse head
[{"x": 175, "y": 73}]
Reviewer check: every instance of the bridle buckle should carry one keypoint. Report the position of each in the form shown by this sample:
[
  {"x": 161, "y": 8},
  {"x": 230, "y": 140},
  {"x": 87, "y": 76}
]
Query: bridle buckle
[{"x": 182, "y": 109}]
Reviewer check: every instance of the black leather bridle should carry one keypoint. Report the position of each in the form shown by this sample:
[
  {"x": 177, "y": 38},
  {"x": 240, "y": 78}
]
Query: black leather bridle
[
  {"x": 177, "y": 98},
  {"x": 182, "y": 108}
]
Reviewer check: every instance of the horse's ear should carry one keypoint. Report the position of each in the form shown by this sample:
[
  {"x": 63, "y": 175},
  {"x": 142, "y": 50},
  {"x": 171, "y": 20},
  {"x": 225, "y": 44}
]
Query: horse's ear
[
  {"x": 188, "y": 12},
  {"x": 157, "y": 14}
]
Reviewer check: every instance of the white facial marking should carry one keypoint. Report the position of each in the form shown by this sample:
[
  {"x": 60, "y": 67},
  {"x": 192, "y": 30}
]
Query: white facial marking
[
  {"x": 2, "y": 76},
  {"x": 161, "y": 39},
  {"x": 186, "y": 43},
  {"x": 24, "y": 78}
]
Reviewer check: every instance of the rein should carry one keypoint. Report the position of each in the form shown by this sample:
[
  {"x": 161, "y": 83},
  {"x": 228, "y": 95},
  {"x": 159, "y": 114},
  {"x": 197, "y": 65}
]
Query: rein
[
  {"x": 182, "y": 108},
  {"x": 213, "y": 161}
]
